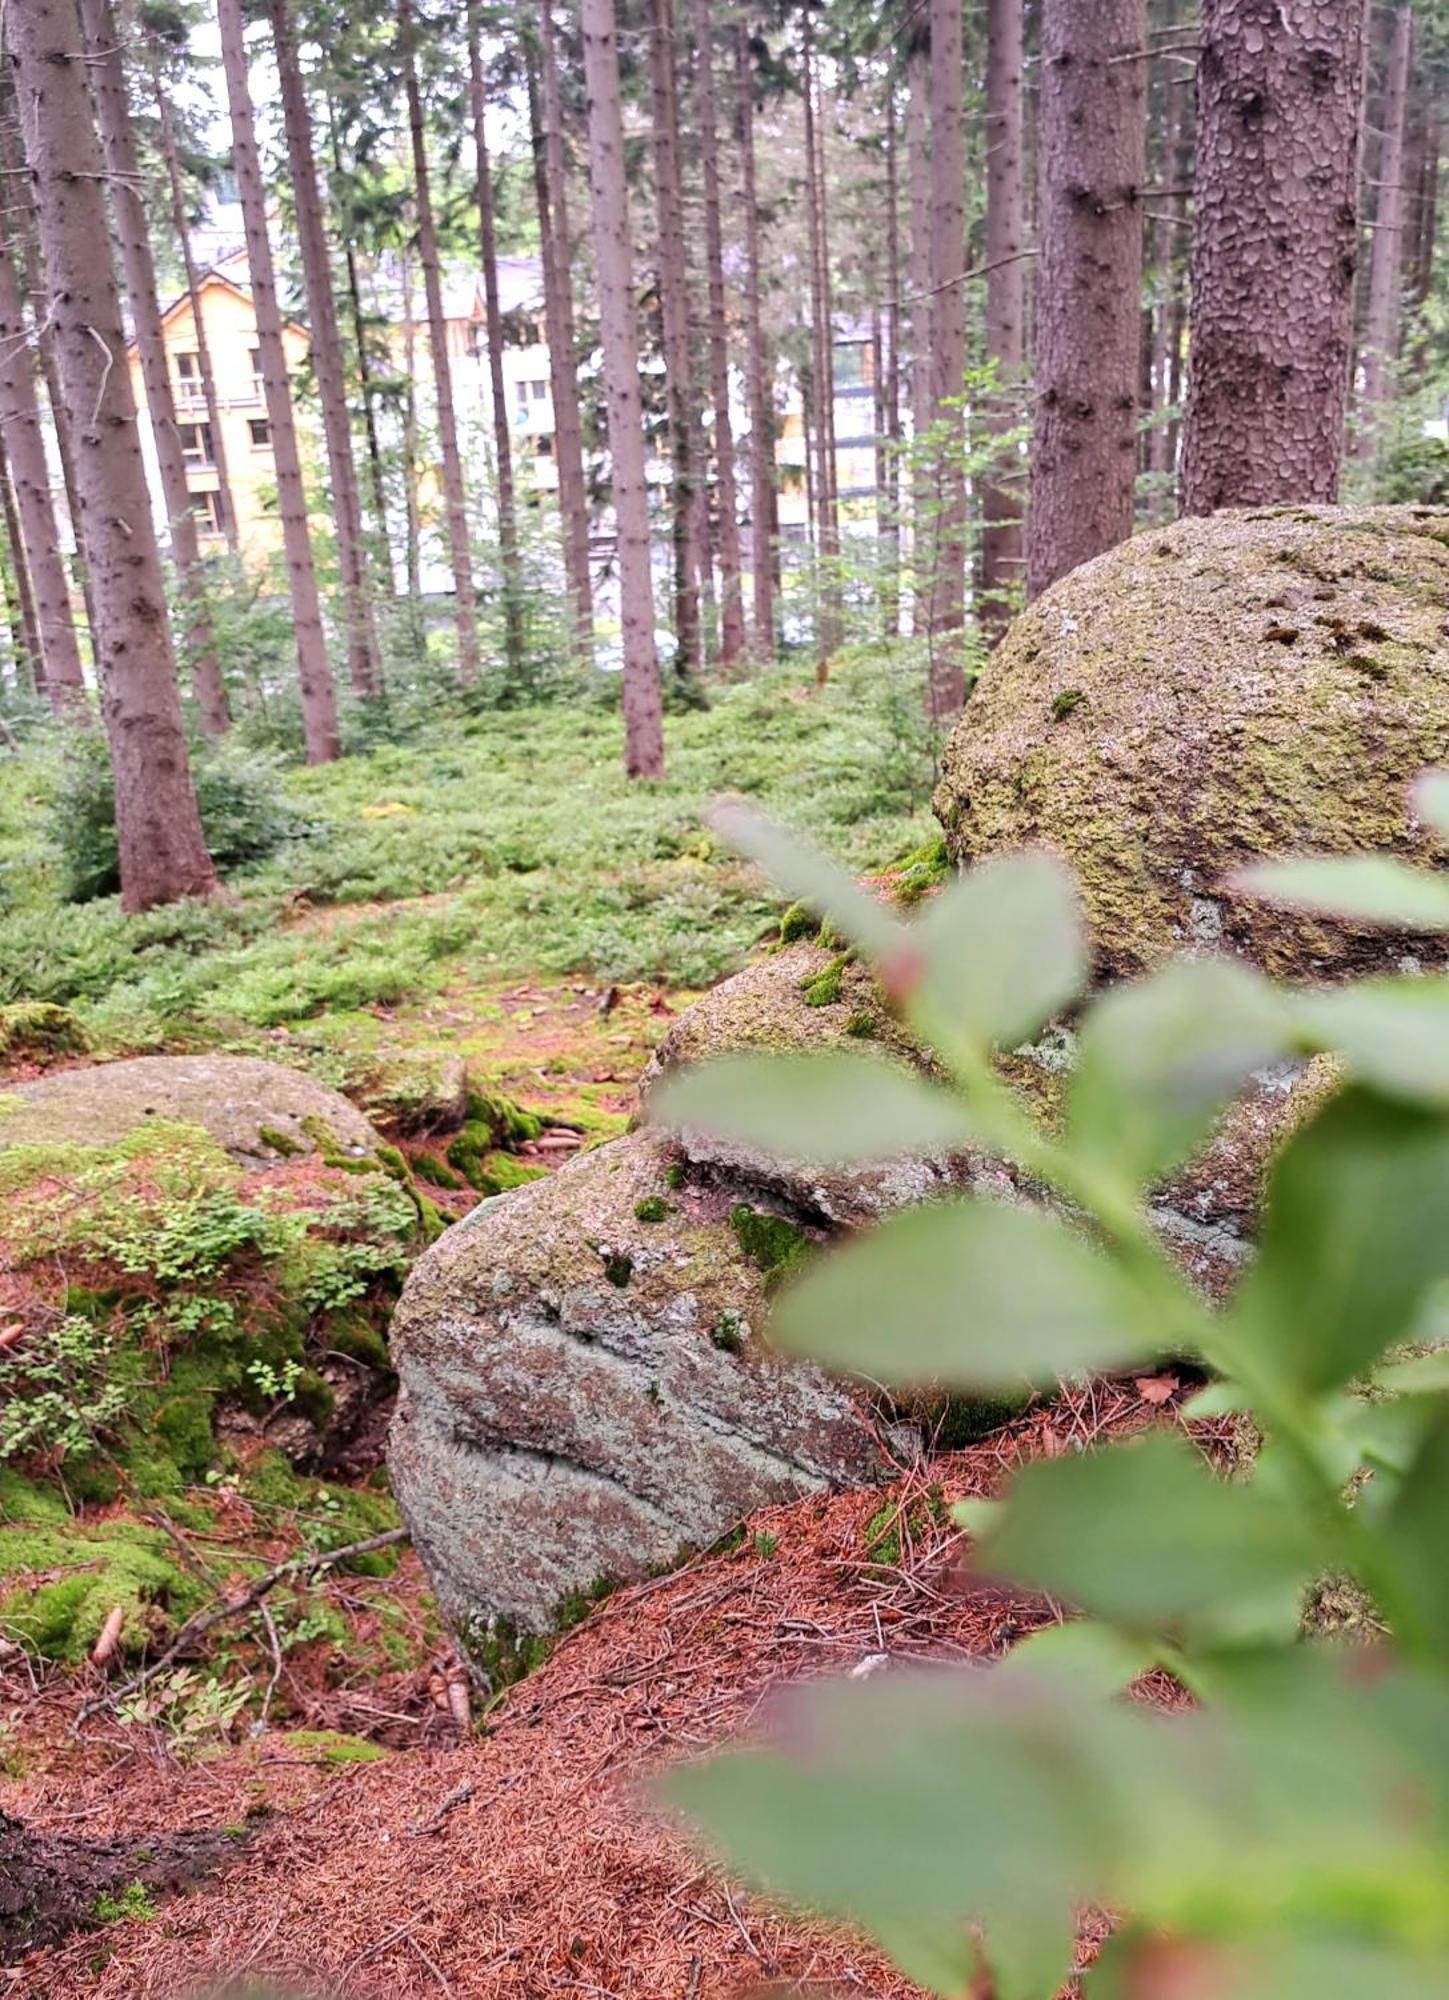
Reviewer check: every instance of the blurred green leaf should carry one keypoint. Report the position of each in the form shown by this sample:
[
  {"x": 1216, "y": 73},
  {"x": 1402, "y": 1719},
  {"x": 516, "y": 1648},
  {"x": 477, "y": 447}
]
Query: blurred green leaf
[
  {"x": 1358, "y": 888},
  {"x": 1416, "y": 1534},
  {"x": 1145, "y": 1535},
  {"x": 1355, "y": 1234},
  {"x": 969, "y": 1294},
  {"x": 1430, "y": 800},
  {"x": 1160, "y": 1059},
  {"x": 810, "y": 877},
  {"x": 1005, "y": 949},
  {"x": 1394, "y": 1033},
  {"x": 1098, "y": 1658},
  {"x": 833, "y": 1107},
  {"x": 1420, "y": 1375}
]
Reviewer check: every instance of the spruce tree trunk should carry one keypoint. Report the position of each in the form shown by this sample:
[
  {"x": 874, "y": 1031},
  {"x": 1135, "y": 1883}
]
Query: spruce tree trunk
[
  {"x": 176, "y": 194},
  {"x": 673, "y": 281},
  {"x": 946, "y": 680},
  {"x": 643, "y": 720},
  {"x": 1001, "y": 540},
  {"x": 413, "y": 533},
  {"x": 918, "y": 146},
  {"x": 732, "y": 612},
  {"x": 1093, "y": 143},
  {"x": 19, "y": 596},
  {"x": 1274, "y": 250},
  {"x": 889, "y": 457},
  {"x": 32, "y": 286},
  {"x": 58, "y": 660},
  {"x": 1386, "y": 253},
  {"x": 762, "y": 426},
  {"x": 455, "y": 500},
  {"x": 159, "y": 839},
  {"x": 364, "y": 666},
  {"x": 113, "y": 119},
  {"x": 314, "y": 674},
  {"x": 513, "y": 634},
  {"x": 822, "y": 317},
  {"x": 573, "y": 488}
]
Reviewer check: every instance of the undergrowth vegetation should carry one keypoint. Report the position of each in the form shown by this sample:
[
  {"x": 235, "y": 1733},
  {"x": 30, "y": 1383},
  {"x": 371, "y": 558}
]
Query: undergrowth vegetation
[{"x": 483, "y": 847}]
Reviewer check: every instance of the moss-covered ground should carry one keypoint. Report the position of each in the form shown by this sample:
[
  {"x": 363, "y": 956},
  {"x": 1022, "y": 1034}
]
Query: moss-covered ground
[{"x": 478, "y": 934}]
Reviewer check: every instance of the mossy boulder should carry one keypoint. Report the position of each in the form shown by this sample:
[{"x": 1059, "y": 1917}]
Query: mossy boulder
[
  {"x": 585, "y": 1389},
  {"x": 257, "y": 1112},
  {"x": 36, "y": 1030},
  {"x": 1255, "y": 684}
]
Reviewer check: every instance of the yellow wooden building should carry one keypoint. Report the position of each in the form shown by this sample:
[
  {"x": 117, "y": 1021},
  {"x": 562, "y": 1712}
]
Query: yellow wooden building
[{"x": 230, "y": 324}]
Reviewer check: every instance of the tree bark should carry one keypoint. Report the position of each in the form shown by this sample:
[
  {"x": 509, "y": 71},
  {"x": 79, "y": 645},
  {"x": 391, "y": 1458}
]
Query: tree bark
[
  {"x": 161, "y": 847},
  {"x": 1386, "y": 252},
  {"x": 364, "y": 666},
  {"x": 512, "y": 578},
  {"x": 573, "y": 489},
  {"x": 32, "y": 286},
  {"x": 762, "y": 427},
  {"x": 455, "y": 501},
  {"x": 673, "y": 281},
  {"x": 823, "y": 343},
  {"x": 113, "y": 119},
  {"x": 643, "y": 719},
  {"x": 1275, "y": 246},
  {"x": 58, "y": 649},
  {"x": 176, "y": 194},
  {"x": 732, "y": 613},
  {"x": 918, "y": 146},
  {"x": 1001, "y": 539},
  {"x": 946, "y": 680},
  {"x": 888, "y": 458},
  {"x": 314, "y": 674},
  {"x": 19, "y": 596},
  {"x": 1093, "y": 143}
]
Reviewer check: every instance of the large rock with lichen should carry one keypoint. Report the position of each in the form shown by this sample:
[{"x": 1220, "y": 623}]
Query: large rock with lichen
[
  {"x": 257, "y": 1112},
  {"x": 585, "y": 1389},
  {"x": 1251, "y": 685}
]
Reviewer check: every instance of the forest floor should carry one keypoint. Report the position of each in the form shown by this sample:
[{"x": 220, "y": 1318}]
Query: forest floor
[{"x": 496, "y": 890}]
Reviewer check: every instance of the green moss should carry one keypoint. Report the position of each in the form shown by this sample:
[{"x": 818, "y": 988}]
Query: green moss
[
  {"x": 674, "y": 1176},
  {"x": 863, "y": 1025},
  {"x": 279, "y": 1142},
  {"x": 133, "y": 1904},
  {"x": 889, "y": 1527},
  {"x": 618, "y": 1267},
  {"x": 1064, "y": 703},
  {"x": 728, "y": 1332},
  {"x": 428, "y": 1167},
  {"x": 331, "y": 1746},
  {"x": 955, "y": 1421},
  {"x": 774, "y": 1246},
  {"x": 651, "y": 1208},
  {"x": 798, "y": 921},
  {"x": 40, "y": 1028},
  {"x": 921, "y": 871},
  {"x": 353, "y": 1334},
  {"x": 60, "y": 1583},
  {"x": 823, "y": 988}
]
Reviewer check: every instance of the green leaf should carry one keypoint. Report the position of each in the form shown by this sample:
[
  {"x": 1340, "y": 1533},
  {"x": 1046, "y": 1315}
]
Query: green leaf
[
  {"x": 1356, "y": 1233},
  {"x": 969, "y": 1294},
  {"x": 1159, "y": 1060},
  {"x": 1005, "y": 949},
  {"x": 1421, "y": 1375},
  {"x": 1394, "y": 1033},
  {"x": 1417, "y": 1535},
  {"x": 1359, "y": 889},
  {"x": 1095, "y": 1656},
  {"x": 833, "y": 1107},
  {"x": 1145, "y": 1535},
  {"x": 807, "y": 876},
  {"x": 1429, "y": 798}
]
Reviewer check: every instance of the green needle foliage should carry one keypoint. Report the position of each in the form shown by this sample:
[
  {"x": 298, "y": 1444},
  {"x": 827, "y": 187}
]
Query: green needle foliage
[{"x": 1290, "y": 1835}]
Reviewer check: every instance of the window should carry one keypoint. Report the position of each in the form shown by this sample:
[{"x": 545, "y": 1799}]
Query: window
[
  {"x": 850, "y": 369},
  {"x": 189, "y": 391},
  {"x": 258, "y": 384},
  {"x": 210, "y": 518},
  {"x": 538, "y": 391},
  {"x": 196, "y": 444},
  {"x": 543, "y": 448},
  {"x": 260, "y": 432}
]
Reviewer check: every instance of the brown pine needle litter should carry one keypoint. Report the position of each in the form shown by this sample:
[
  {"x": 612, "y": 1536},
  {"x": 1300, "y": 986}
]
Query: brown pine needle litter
[{"x": 529, "y": 1862}]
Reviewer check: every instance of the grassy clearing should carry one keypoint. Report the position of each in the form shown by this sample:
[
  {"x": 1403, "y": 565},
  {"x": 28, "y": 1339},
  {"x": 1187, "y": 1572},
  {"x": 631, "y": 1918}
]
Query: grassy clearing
[{"x": 483, "y": 849}]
